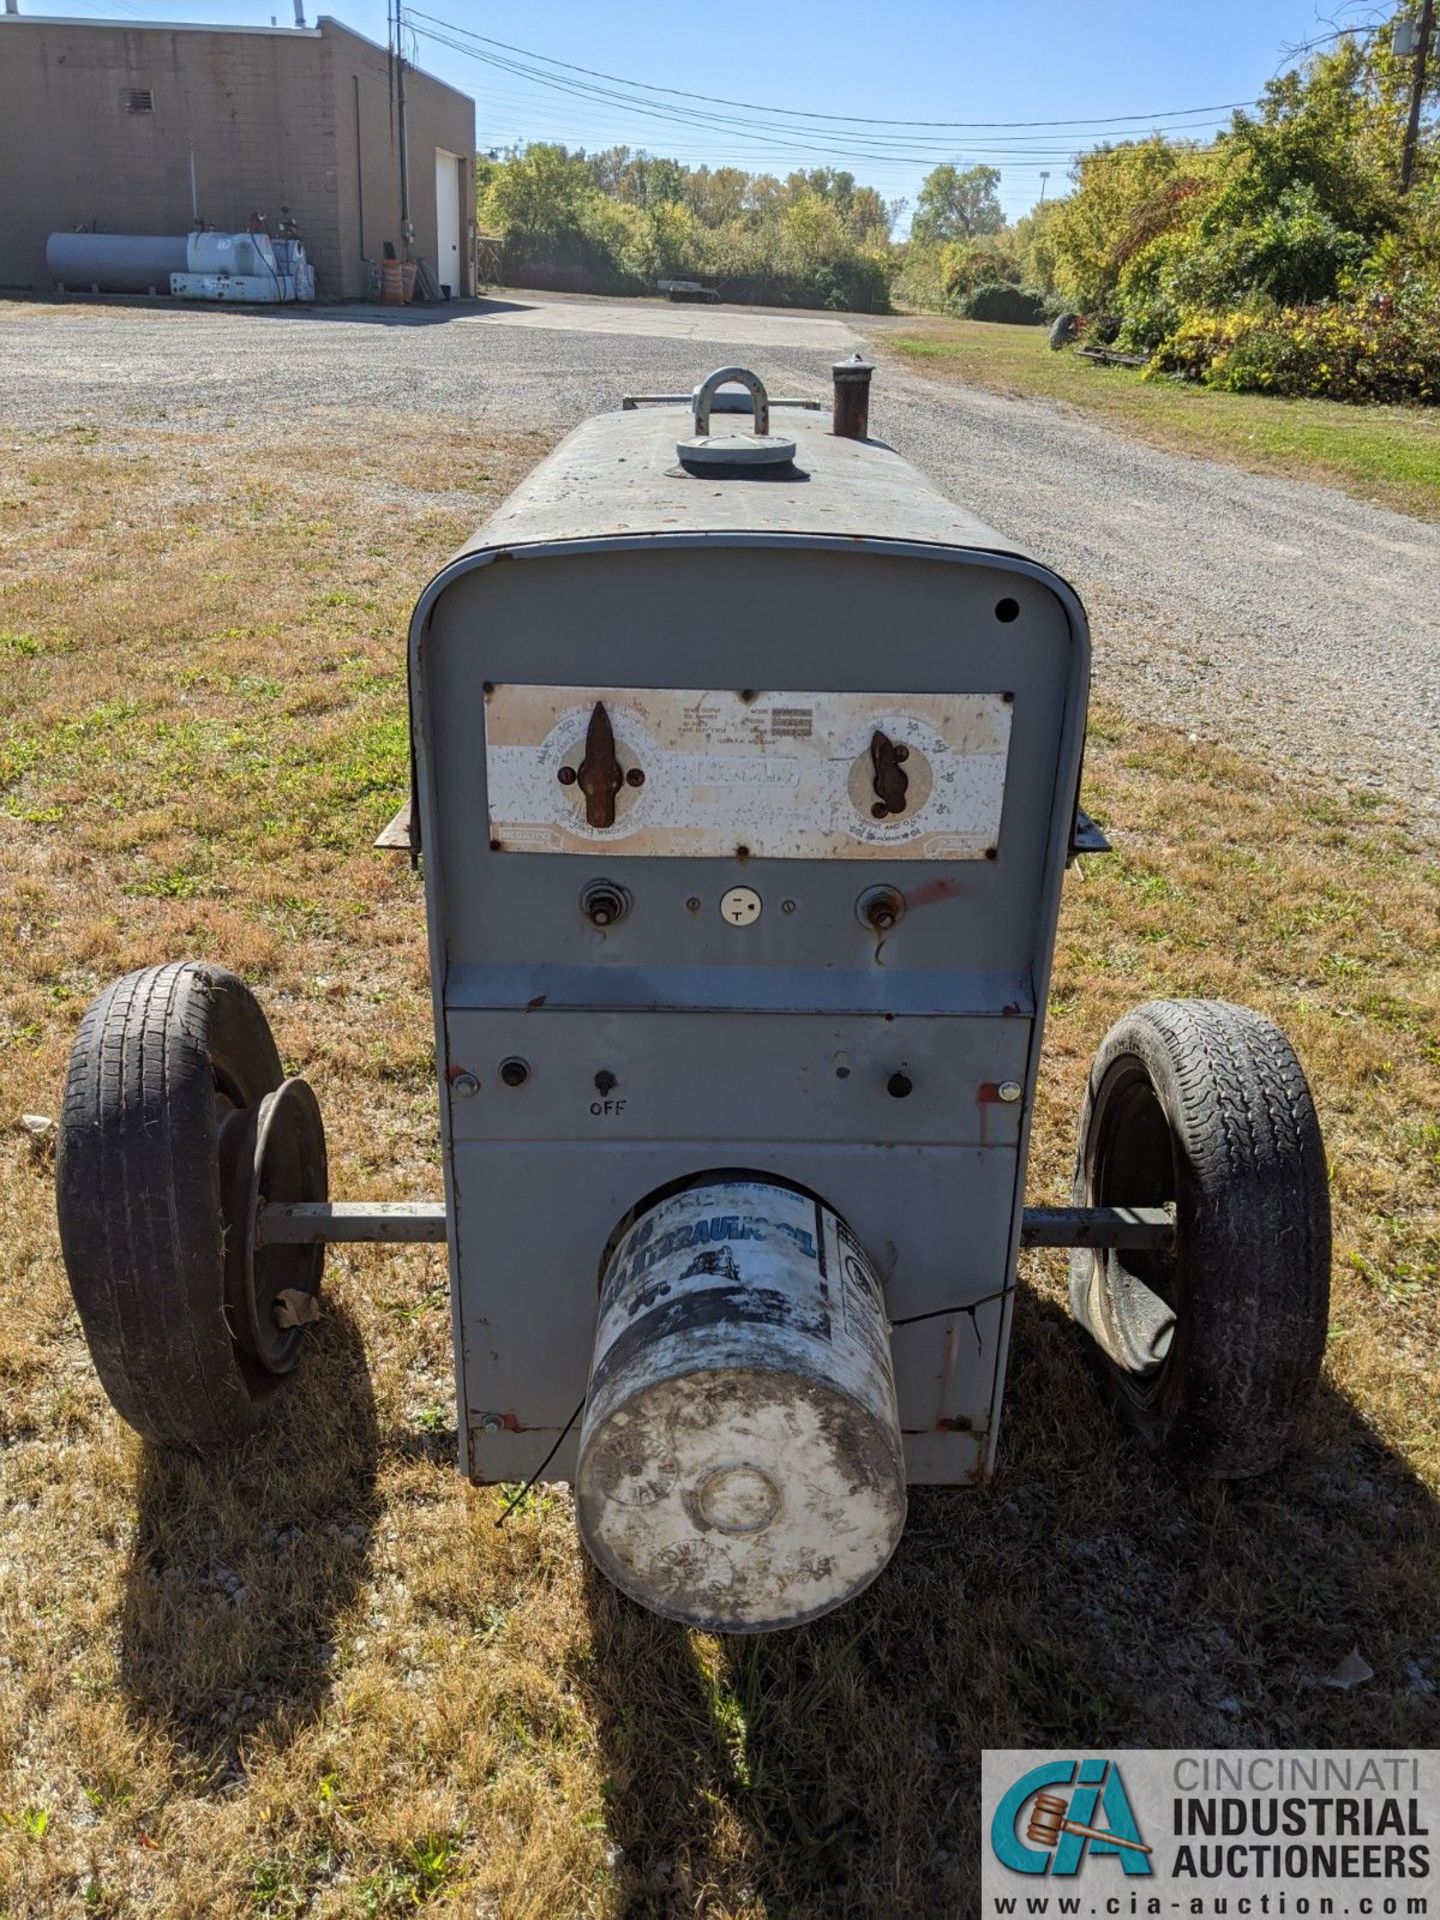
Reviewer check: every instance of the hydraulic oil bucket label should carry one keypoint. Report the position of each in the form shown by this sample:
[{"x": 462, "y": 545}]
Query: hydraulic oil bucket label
[{"x": 778, "y": 775}]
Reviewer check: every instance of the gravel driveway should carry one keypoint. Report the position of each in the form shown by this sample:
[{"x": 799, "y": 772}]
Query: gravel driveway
[{"x": 1284, "y": 619}]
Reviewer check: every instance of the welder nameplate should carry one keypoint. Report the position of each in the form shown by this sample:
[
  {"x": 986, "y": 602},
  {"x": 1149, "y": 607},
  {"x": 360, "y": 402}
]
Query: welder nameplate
[{"x": 917, "y": 776}]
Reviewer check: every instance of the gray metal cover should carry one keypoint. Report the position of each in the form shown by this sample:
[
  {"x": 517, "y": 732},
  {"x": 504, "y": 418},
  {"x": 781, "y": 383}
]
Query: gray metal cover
[{"x": 865, "y": 1066}]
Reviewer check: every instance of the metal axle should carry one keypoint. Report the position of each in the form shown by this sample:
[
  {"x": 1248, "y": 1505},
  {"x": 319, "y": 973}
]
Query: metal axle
[{"x": 401, "y": 1222}]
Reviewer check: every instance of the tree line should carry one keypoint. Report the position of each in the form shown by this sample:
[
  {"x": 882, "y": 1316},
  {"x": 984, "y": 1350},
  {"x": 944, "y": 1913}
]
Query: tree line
[
  {"x": 1283, "y": 255},
  {"x": 617, "y": 222}
]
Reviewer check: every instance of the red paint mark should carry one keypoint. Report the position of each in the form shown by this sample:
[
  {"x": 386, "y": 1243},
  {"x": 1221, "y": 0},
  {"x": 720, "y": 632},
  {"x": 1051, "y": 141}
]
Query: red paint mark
[
  {"x": 453, "y": 1073},
  {"x": 956, "y": 1423},
  {"x": 538, "y": 1001},
  {"x": 987, "y": 1093},
  {"x": 946, "y": 887},
  {"x": 512, "y": 1425},
  {"x": 1011, "y": 1010}
]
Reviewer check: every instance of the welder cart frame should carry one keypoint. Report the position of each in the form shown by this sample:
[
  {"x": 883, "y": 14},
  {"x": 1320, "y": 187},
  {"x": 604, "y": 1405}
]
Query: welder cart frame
[{"x": 638, "y": 981}]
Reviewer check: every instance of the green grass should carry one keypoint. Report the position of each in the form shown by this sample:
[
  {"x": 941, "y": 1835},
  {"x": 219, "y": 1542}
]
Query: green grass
[{"x": 1387, "y": 454}]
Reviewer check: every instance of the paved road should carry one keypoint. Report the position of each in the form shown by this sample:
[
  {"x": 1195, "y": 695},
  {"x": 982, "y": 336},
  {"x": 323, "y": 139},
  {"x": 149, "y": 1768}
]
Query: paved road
[{"x": 1279, "y": 617}]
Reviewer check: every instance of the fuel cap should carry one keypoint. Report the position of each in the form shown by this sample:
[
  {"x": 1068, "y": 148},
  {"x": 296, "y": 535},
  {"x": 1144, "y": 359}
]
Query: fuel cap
[{"x": 735, "y": 450}]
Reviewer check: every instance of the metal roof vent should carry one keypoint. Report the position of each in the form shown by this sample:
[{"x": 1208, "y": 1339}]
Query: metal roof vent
[{"x": 137, "y": 100}]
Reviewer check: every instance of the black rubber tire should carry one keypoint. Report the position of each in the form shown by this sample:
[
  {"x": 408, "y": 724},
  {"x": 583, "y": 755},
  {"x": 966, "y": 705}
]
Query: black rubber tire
[
  {"x": 1204, "y": 1105},
  {"x": 159, "y": 1056}
]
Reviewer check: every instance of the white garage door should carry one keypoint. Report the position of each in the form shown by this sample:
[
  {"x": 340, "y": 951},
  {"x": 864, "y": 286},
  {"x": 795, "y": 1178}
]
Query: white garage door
[{"x": 449, "y": 234}]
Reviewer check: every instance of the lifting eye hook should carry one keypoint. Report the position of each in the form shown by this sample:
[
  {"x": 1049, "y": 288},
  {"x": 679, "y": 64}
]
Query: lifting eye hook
[{"x": 737, "y": 376}]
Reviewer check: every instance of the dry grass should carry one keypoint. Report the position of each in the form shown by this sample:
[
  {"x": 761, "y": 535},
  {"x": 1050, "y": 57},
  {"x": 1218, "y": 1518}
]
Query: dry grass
[{"x": 315, "y": 1679}]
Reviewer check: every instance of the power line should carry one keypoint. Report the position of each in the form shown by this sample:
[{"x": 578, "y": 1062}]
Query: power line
[
  {"x": 787, "y": 140},
  {"x": 879, "y": 148},
  {"x": 848, "y": 119}
]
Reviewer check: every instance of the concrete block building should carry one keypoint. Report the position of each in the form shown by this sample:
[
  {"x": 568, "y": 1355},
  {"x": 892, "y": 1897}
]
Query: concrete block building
[{"x": 124, "y": 127}]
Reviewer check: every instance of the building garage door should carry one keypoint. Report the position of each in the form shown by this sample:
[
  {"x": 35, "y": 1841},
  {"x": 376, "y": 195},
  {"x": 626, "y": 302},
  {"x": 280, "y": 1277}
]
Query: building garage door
[{"x": 449, "y": 234}]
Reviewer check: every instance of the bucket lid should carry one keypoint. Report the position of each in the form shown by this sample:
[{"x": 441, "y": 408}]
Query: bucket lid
[{"x": 741, "y": 1499}]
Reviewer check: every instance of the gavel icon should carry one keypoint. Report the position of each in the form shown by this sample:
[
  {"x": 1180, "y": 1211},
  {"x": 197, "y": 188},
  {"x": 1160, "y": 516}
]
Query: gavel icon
[{"x": 1048, "y": 1822}]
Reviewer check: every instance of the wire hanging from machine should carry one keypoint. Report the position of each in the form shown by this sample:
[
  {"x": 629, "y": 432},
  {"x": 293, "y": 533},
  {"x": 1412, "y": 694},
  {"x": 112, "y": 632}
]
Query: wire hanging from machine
[{"x": 971, "y": 1307}]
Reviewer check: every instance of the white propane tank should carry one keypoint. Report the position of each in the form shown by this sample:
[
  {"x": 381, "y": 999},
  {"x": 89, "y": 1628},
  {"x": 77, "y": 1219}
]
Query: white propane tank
[
  {"x": 237, "y": 253},
  {"x": 740, "y": 1463}
]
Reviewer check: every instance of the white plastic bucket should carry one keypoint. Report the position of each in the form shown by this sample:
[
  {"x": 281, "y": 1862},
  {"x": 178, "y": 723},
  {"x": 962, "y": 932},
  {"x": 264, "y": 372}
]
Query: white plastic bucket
[{"x": 740, "y": 1462}]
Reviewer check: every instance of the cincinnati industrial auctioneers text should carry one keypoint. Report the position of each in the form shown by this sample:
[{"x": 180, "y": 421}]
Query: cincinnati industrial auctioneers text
[
  {"x": 1233, "y": 1835},
  {"x": 1293, "y": 1816}
]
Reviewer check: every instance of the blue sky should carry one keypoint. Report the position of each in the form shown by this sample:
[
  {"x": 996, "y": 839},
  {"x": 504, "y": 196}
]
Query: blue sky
[{"x": 911, "y": 60}]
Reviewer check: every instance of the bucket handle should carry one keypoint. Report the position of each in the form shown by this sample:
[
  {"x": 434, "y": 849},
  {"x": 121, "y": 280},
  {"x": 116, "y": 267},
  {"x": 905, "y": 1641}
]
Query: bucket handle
[{"x": 705, "y": 395}]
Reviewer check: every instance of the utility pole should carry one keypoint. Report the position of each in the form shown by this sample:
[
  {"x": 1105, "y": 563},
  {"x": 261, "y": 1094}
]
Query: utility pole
[
  {"x": 1417, "y": 94},
  {"x": 407, "y": 232},
  {"x": 1044, "y": 176}
]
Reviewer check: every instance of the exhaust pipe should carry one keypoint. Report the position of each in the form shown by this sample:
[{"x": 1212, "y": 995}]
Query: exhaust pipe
[{"x": 851, "y": 419}]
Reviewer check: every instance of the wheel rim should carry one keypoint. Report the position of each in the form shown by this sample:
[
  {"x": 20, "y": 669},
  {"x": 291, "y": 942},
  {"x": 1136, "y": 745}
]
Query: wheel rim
[
  {"x": 276, "y": 1152},
  {"x": 1132, "y": 1163}
]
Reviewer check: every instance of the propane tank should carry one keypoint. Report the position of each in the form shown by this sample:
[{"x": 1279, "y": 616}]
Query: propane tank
[
  {"x": 115, "y": 262},
  {"x": 740, "y": 1463}
]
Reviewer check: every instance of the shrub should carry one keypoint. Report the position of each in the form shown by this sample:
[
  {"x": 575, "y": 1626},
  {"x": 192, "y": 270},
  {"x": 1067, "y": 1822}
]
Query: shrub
[
  {"x": 1381, "y": 349},
  {"x": 1011, "y": 306},
  {"x": 1293, "y": 251}
]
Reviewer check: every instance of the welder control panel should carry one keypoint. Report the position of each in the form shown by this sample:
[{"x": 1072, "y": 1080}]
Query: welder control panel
[{"x": 722, "y": 773}]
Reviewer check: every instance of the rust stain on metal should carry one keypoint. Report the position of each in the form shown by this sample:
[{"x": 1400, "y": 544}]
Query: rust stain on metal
[
  {"x": 987, "y": 1095},
  {"x": 945, "y": 887}
]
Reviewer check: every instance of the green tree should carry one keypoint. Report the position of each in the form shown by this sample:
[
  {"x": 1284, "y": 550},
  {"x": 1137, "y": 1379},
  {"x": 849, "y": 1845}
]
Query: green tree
[
  {"x": 1126, "y": 197},
  {"x": 717, "y": 195},
  {"x": 615, "y": 220},
  {"x": 1325, "y": 127},
  {"x": 956, "y": 205},
  {"x": 542, "y": 190},
  {"x": 1034, "y": 241}
]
